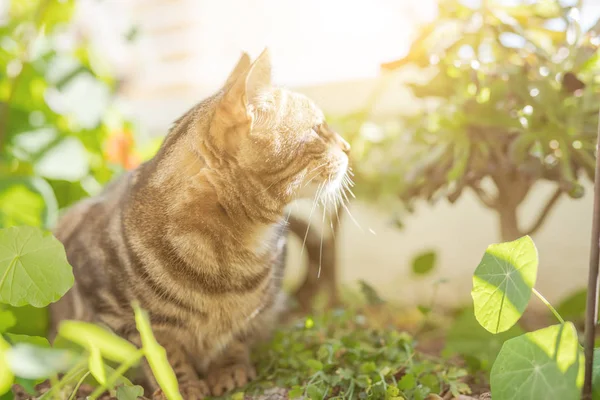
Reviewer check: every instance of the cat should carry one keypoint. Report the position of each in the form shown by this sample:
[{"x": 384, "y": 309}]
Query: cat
[{"x": 197, "y": 235}]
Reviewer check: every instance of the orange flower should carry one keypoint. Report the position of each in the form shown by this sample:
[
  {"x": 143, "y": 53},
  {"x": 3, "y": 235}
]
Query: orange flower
[{"x": 120, "y": 149}]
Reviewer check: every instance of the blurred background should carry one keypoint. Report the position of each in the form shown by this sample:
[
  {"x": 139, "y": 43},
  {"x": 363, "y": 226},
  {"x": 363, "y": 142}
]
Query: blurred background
[{"x": 471, "y": 122}]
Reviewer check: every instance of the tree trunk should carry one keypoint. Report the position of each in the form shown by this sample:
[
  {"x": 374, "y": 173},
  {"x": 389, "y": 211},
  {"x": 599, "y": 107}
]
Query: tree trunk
[
  {"x": 509, "y": 225},
  {"x": 321, "y": 271},
  {"x": 512, "y": 190}
]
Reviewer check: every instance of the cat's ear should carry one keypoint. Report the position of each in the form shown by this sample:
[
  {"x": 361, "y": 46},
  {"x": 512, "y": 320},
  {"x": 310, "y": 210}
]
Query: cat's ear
[
  {"x": 259, "y": 76},
  {"x": 241, "y": 98},
  {"x": 242, "y": 66}
]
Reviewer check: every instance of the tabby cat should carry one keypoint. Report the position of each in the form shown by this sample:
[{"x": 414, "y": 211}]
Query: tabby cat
[{"x": 197, "y": 236}]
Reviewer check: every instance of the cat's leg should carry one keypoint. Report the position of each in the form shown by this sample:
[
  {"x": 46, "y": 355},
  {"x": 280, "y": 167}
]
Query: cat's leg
[
  {"x": 191, "y": 386},
  {"x": 231, "y": 370}
]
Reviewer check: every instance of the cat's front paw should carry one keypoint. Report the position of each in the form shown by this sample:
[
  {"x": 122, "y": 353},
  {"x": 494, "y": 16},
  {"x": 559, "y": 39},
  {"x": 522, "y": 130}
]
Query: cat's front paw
[
  {"x": 224, "y": 379},
  {"x": 195, "y": 390}
]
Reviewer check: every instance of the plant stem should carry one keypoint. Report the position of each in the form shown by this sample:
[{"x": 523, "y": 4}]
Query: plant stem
[
  {"x": 74, "y": 394},
  {"x": 54, "y": 382},
  {"x": 547, "y": 303},
  {"x": 591, "y": 313},
  {"x": 77, "y": 369},
  {"x": 116, "y": 375}
]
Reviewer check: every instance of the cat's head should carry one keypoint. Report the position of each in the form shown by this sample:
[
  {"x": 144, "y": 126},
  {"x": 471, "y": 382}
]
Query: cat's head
[{"x": 276, "y": 137}]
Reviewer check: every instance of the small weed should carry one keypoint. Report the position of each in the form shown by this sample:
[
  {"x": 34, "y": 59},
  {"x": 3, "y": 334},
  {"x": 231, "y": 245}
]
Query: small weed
[{"x": 339, "y": 355}]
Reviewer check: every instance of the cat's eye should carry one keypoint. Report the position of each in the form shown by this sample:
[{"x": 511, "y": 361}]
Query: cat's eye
[{"x": 316, "y": 130}]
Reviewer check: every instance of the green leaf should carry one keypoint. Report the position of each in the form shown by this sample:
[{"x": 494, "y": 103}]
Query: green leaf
[
  {"x": 502, "y": 283},
  {"x": 56, "y": 13},
  {"x": 592, "y": 63},
  {"x": 6, "y": 376},
  {"x": 425, "y": 310},
  {"x": 370, "y": 293},
  {"x": 237, "y": 396},
  {"x": 129, "y": 392},
  {"x": 121, "y": 380},
  {"x": 430, "y": 381},
  {"x": 424, "y": 263},
  {"x": 156, "y": 356},
  {"x": 314, "y": 364},
  {"x": 33, "y": 267},
  {"x": 573, "y": 307},
  {"x": 33, "y": 340},
  {"x": 40, "y": 342},
  {"x": 29, "y": 385},
  {"x": 7, "y": 320},
  {"x": 407, "y": 382},
  {"x": 295, "y": 392},
  {"x": 469, "y": 339},
  {"x": 31, "y": 320},
  {"x": 96, "y": 365},
  {"x": 314, "y": 392},
  {"x": 544, "y": 364},
  {"x": 33, "y": 362},
  {"x": 392, "y": 391},
  {"x": 89, "y": 336},
  {"x": 7, "y": 396},
  {"x": 27, "y": 201},
  {"x": 596, "y": 375}
]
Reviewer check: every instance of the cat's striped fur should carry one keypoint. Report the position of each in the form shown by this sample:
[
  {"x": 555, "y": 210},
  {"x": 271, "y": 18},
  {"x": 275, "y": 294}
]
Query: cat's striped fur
[{"x": 197, "y": 234}]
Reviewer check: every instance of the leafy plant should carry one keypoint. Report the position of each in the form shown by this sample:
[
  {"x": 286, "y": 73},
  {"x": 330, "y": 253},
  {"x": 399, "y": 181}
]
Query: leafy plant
[
  {"x": 510, "y": 98},
  {"x": 34, "y": 269},
  {"x": 29, "y": 360},
  {"x": 340, "y": 355},
  {"x": 546, "y": 363}
]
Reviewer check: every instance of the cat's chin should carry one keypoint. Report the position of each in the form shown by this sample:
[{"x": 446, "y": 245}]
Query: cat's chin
[{"x": 328, "y": 192}]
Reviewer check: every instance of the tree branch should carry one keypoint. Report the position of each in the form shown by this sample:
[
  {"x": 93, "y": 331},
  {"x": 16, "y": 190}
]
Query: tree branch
[
  {"x": 545, "y": 212},
  {"x": 485, "y": 198}
]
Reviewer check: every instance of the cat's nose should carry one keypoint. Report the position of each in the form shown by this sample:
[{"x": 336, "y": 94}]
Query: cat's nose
[{"x": 343, "y": 144}]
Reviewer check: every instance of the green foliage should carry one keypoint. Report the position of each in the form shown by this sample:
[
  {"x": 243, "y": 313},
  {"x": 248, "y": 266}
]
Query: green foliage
[
  {"x": 546, "y": 363},
  {"x": 573, "y": 307},
  {"x": 156, "y": 356},
  {"x": 35, "y": 272},
  {"x": 514, "y": 97},
  {"x": 54, "y": 150},
  {"x": 340, "y": 355},
  {"x": 129, "y": 392},
  {"x": 30, "y": 320},
  {"x": 424, "y": 263},
  {"x": 7, "y": 320},
  {"x": 31, "y": 361},
  {"x": 509, "y": 96},
  {"x": 6, "y": 375},
  {"x": 475, "y": 344},
  {"x": 502, "y": 283},
  {"x": 33, "y": 267},
  {"x": 596, "y": 375},
  {"x": 93, "y": 337}
]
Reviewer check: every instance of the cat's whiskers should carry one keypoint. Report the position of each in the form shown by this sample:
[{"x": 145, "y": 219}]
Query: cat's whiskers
[
  {"x": 321, "y": 246},
  {"x": 310, "y": 172},
  {"x": 316, "y": 199}
]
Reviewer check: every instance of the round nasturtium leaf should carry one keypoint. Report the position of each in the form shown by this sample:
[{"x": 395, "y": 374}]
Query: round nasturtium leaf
[
  {"x": 503, "y": 282},
  {"x": 33, "y": 267},
  {"x": 544, "y": 364}
]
